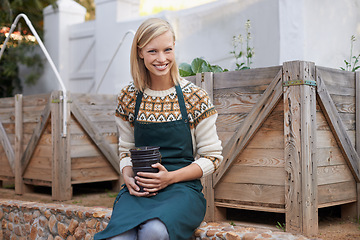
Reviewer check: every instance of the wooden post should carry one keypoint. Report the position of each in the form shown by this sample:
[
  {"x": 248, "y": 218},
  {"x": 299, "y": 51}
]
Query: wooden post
[
  {"x": 19, "y": 185},
  {"x": 61, "y": 161},
  {"x": 357, "y": 135},
  {"x": 301, "y": 199},
  {"x": 206, "y": 81}
]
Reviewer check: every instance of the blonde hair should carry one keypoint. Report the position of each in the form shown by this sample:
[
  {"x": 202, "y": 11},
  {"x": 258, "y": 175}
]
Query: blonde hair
[{"x": 147, "y": 31}]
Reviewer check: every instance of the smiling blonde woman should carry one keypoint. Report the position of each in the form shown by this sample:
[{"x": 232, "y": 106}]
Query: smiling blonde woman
[{"x": 161, "y": 109}]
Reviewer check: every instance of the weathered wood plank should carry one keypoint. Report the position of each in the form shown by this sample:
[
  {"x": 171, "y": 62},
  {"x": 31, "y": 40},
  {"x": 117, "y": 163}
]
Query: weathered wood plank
[
  {"x": 84, "y": 139},
  {"x": 94, "y": 134},
  {"x": 337, "y": 81},
  {"x": 230, "y": 122},
  {"x": 38, "y": 130},
  {"x": 61, "y": 188},
  {"x": 334, "y": 174},
  {"x": 206, "y": 81},
  {"x": 344, "y": 104},
  {"x": 84, "y": 175},
  {"x": 36, "y": 100},
  {"x": 329, "y": 157},
  {"x": 259, "y": 77},
  {"x": 19, "y": 184},
  {"x": 38, "y": 174},
  {"x": 7, "y": 102},
  {"x": 41, "y": 162},
  {"x": 235, "y": 102},
  {"x": 107, "y": 127},
  {"x": 357, "y": 135},
  {"x": 343, "y": 191},
  {"x": 251, "y": 124},
  {"x": 300, "y": 149},
  {"x": 95, "y": 99},
  {"x": 267, "y": 139},
  {"x": 88, "y": 162},
  {"x": 8, "y": 149},
  {"x": 251, "y": 193},
  {"x": 262, "y": 157},
  {"x": 246, "y": 206},
  {"x": 255, "y": 175},
  {"x": 337, "y": 126},
  {"x": 5, "y": 169}
]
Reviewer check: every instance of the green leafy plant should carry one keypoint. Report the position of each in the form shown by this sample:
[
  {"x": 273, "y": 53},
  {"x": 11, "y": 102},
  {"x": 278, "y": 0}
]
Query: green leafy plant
[
  {"x": 281, "y": 226},
  {"x": 352, "y": 64},
  {"x": 198, "y": 65},
  {"x": 243, "y": 58},
  {"x": 232, "y": 223}
]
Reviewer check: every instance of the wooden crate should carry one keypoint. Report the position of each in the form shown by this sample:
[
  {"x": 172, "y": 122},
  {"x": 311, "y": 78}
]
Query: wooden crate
[
  {"x": 39, "y": 153},
  {"x": 289, "y": 137}
]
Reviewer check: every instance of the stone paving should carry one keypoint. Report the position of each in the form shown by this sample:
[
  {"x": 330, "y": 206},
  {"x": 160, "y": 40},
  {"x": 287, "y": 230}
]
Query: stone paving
[{"x": 223, "y": 230}]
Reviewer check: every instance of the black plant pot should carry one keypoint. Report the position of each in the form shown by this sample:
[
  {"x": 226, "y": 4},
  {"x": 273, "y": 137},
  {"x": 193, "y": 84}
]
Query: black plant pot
[{"x": 143, "y": 157}]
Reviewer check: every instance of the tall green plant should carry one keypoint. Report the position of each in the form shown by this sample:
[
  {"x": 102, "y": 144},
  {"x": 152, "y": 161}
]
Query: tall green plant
[
  {"x": 352, "y": 64},
  {"x": 243, "y": 58}
]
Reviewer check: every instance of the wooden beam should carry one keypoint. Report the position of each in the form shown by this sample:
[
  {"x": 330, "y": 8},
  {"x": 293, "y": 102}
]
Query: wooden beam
[
  {"x": 357, "y": 135},
  {"x": 251, "y": 124},
  {"x": 300, "y": 149},
  {"x": 25, "y": 159},
  {"x": 61, "y": 161},
  {"x": 19, "y": 185},
  {"x": 95, "y": 135},
  {"x": 206, "y": 81},
  {"x": 332, "y": 116},
  {"x": 5, "y": 142}
]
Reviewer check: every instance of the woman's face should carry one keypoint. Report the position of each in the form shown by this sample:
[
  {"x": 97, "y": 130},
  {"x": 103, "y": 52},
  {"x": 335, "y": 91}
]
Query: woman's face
[{"x": 158, "y": 55}]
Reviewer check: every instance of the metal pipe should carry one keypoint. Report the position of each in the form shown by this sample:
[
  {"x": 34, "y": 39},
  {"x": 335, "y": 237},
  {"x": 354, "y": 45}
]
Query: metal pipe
[
  {"x": 28, "y": 22},
  {"x": 112, "y": 59}
]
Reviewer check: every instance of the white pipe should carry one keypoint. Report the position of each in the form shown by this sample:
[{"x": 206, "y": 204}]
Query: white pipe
[
  {"x": 28, "y": 22},
  {"x": 112, "y": 59}
]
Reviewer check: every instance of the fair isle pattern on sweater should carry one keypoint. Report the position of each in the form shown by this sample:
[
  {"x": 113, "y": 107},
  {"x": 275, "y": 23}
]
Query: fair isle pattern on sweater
[{"x": 165, "y": 109}]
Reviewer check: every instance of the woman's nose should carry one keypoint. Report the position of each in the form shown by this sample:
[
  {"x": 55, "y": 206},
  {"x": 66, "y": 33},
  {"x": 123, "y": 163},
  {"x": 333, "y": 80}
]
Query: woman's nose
[{"x": 161, "y": 57}]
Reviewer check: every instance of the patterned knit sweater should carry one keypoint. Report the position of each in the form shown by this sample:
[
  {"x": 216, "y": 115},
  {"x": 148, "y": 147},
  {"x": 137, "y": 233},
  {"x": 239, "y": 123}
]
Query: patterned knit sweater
[{"x": 163, "y": 106}]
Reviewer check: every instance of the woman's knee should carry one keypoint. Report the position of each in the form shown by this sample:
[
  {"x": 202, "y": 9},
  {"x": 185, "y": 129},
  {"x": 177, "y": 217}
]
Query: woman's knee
[{"x": 153, "y": 229}]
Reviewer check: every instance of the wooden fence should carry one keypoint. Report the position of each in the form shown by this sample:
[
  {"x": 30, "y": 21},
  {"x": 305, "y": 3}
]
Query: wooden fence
[{"x": 288, "y": 133}]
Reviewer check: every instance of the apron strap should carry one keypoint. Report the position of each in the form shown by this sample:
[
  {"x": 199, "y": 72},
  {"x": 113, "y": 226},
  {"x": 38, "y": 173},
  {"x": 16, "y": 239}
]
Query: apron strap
[
  {"x": 137, "y": 105},
  {"x": 181, "y": 103},
  {"x": 180, "y": 100}
]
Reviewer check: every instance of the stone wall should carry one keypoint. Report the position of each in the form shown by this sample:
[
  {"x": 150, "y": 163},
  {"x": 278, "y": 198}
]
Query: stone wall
[{"x": 28, "y": 220}]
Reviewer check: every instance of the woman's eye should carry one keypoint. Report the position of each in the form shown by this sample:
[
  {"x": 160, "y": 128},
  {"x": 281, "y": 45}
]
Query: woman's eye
[
  {"x": 151, "y": 51},
  {"x": 168, "y": 50}
]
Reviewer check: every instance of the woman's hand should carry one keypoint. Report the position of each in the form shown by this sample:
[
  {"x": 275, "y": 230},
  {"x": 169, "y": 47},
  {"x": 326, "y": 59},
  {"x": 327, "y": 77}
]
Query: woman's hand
[
  {"x": 133, "y": 188},
  {"x": 154, "y": 182}
]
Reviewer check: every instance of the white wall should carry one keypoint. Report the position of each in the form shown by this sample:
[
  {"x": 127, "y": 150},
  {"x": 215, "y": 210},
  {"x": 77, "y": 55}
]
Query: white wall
[
  {"x": 329, "y": 26},
  {"x": 282, "y": 30}
]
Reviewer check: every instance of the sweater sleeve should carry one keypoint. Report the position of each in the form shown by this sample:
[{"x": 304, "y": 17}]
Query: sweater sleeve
[
  {"x": 126, "y": 141},
  {"x": 208, "y": 145}
]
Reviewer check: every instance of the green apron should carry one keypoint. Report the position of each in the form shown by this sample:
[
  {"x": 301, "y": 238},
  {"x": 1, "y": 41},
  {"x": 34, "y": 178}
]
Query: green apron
[{"x": 181, "y": 206}]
